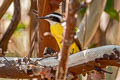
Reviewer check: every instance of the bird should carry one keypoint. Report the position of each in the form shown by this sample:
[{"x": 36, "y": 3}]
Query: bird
[
  {"x": 57, "y": 26},
  {"x": 56, "y": 17}
]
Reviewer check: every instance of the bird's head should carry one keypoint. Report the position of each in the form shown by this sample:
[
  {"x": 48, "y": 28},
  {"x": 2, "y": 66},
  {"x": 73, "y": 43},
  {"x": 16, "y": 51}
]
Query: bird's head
[{"x": 53, "y": 18}]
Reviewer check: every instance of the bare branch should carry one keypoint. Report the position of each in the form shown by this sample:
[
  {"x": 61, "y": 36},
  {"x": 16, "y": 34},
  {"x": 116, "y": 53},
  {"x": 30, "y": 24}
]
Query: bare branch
[
  {"x": 11, "y": 28},
  {"x": 4, "y": 7},
  {"x": 72, "y": 7},
  {"x": 79, "y": 63},
  {"x": 24, "y": 68},
  {"x": 32, "y": 25}
]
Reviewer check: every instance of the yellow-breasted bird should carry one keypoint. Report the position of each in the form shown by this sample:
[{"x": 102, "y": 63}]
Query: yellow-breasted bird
[{"x": 57, "y": 26}]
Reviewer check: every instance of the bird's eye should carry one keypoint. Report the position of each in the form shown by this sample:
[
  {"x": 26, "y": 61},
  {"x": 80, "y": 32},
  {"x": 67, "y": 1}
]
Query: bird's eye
[
  {"x": 51, "y": 17},
  {"x": 56, "y": 19}
]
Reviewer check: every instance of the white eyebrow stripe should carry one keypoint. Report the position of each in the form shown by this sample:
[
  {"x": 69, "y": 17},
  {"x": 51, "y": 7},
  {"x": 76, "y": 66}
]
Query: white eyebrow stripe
[{"x": 58, "y": 16}]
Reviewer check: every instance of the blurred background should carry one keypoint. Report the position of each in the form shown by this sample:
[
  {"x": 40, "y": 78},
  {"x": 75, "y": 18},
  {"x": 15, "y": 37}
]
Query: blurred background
[
  {"x": 19, "y": 42},
  {"x": 108, "y": 31}
]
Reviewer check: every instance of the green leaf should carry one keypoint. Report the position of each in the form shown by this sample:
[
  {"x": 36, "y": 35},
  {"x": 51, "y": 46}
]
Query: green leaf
[
  {"x": 20, "y": 27},
  {"x": 8, "y": 16},
  {"x": 111, "y": 11},
  {"x": 76, "y": 29},
  {"x": 113, "y": 14},
  {"x": 109, "y": 4},
  {"x": 82, "y": 11}
]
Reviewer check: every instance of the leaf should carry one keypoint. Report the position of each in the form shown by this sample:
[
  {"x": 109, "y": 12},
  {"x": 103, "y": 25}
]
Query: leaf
[
  {"x": 113, "y": 14},
  {"x": 8, "y": 16},
  {"x": 82, "y": 11},
  {"x": 111, "y": 11},
  {"x": 20, "y": 27},
  {"x": 109, "y": 4}
]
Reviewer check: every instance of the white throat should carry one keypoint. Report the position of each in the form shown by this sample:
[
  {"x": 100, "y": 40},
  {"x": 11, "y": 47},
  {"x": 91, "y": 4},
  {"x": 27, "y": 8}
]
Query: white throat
[{"x": 51, "y": 22}]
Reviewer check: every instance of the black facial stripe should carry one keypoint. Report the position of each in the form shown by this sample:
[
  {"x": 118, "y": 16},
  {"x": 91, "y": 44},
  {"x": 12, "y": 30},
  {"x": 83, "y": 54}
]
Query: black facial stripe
[{"x": 55, "y": 19}]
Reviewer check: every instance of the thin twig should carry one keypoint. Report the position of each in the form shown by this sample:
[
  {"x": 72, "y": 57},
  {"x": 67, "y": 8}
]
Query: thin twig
[{"x": 35, "y": 32}]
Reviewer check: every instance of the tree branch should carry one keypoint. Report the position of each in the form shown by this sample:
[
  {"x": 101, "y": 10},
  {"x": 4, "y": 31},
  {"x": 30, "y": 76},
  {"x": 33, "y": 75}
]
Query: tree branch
[
  {"x": 32, "y": 25},
  {"x": 79, "y": 63},
  {"x": 11, "y": 28},
  {"x": 71, "y": 9},
  {"x": 4, "y": 7}
]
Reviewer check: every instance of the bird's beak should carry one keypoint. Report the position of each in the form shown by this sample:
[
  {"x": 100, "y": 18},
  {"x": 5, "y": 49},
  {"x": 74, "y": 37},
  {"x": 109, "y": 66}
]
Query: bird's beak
[{"x": 44, "y": 17}]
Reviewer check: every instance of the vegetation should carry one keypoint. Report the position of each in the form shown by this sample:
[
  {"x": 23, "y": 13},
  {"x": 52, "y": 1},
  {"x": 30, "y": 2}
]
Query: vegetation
[{"x": 90, "y": 24}]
